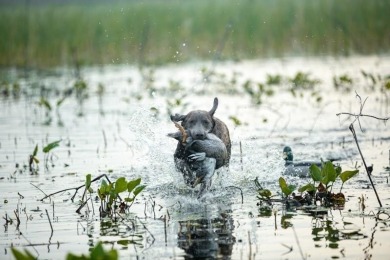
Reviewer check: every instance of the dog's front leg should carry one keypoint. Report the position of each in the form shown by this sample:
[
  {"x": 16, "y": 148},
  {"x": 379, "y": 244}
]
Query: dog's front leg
[{"x": 183, "y": 167}]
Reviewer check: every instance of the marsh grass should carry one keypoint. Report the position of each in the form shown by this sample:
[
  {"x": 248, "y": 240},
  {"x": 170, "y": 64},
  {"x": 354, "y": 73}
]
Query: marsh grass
[{"x": 156, "y": 32}]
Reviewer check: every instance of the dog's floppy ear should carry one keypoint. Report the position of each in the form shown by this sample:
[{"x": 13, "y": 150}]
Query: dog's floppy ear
[
  {"x": 215, "y": 105},
  {"x": 177, "y": 117}
]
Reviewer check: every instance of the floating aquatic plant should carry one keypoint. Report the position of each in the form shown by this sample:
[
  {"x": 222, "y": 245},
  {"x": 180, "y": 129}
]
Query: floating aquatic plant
[
  {"x": 109, "y": 194},
  {"x": 343, "y": 83},
  {"x": 96, "y": 252},
  {"x": 48, "y": 148},
  {"x": 33, "y": 160}
]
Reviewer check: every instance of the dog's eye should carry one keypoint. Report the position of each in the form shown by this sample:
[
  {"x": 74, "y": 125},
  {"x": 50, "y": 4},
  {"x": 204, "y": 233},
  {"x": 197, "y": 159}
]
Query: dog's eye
[{"x": 205, "y": 122}]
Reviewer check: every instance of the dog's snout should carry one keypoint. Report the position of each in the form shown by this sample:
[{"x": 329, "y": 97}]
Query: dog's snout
[{"x": 199, "y": 136}]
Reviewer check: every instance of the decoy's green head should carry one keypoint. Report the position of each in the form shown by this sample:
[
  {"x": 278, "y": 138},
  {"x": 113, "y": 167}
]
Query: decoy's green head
[{"x": 287, "y": 154}]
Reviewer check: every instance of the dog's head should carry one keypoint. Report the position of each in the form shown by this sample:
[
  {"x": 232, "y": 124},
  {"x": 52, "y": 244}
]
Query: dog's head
[{"x": 198, "y": 122}]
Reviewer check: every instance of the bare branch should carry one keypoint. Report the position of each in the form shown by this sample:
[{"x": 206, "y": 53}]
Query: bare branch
[
  {"x": 76, "y": 188},
  {"x": 358, "y": 116},
  {"x": 363, "y": 115}
]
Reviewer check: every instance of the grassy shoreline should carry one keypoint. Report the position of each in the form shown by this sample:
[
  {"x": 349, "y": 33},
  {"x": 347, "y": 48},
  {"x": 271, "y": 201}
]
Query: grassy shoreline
[{"x": 158, "y": 32}]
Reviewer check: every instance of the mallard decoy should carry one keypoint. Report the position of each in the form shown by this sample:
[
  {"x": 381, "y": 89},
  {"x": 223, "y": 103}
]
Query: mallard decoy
[
  {"x": 202, "y": 157},
  {"x": 296, "y": 168}
]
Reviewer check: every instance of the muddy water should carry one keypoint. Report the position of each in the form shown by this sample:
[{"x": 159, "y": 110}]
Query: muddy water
[{"x": 121, "y": 131}]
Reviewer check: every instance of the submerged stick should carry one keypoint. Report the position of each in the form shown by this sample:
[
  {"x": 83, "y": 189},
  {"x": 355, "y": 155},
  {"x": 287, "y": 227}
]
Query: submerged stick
[
  {"x": 47, "y": 214},
  {"x": 299, "y": 245},
  {"x": 75, "y": 188},
  {"x": 17, "y": 219},
  {"x": 364, "y": 162}
]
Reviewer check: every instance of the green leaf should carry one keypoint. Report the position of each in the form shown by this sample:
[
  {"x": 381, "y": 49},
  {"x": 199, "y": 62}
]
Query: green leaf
[
  {"x": 45, "y": 103},
  {"x": 315, "y": 172},
  {"x": 132, "y": 184},
  {"x": 307, "y": 187},
  {"x": 36, "y": 160},
  {"x": 120, "y": 185},
  {"x": 59, "y": 102},
  {"x": 88, "y": 181},
  {"x": 51, "y": 146},
  {"x": 97, "y": 252},
  {"x": 22, "y": 256},
  {"x": 104, "y": 189},
  {"x": 265, "y": 193},
  {"x": 138, "y": 190},
  {"x": 129, "y": 199},
  {"x": 35, "y": 151},
  {"x": 344, "y": 176},
  {"x": 286, "y": 189},
  {"x": 328, "y": 173}
]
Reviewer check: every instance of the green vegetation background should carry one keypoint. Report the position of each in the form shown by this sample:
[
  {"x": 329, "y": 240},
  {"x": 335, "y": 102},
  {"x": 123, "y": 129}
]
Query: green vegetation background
[{"x": 44, "y": 33}]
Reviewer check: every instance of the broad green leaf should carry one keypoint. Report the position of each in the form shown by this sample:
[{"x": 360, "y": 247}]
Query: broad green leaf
[
  {"x": 21, "y": 256},
  {"x": 328, "y": 173},
  {"x": 35, "y": 151},
  {"x": 97, "y": 252},
  {"x": 344, "y": 176},
  {"x": 265, "y": 193},
  {"x": 51, "y": 146},
  {"x": 132, "y": 184},
  {"x": 307, "y": 187},
  {"x": 138, "y": 190},
  {"x": 104, "y": 189},
  {"x": 103, "y": 183},
  {"x": 101, "y": 194},
  {"x": 315, "y": 172},
  {"x": 286, "y": 189},
  {"x": 129, "y": 199},
  {"x": 120, "y": 185},
  {"x": 88, "y": 180}
]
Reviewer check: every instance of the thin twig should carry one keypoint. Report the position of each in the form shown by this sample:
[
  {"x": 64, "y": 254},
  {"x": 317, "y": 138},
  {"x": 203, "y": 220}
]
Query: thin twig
[
  {"x": 38, "y": 188},
  {"x": 17, "y": 219},
  {"x": 146, "y": 229},
  {"x": 364, "y": 162},
  {"x": 357, "y": 116},
  {"x": 363, "y": 115},
  {"x": 47, "y": 214},
  {"x": 81, "y": 206},
  {"x": 299, "y": 245},
  {"x": 75, "y": 188}
]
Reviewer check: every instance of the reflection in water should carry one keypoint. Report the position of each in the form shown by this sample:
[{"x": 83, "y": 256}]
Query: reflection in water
[
  {"x": 334, "y": 232},
  {"x": 206, "y": 237},
  {"x": 125, "y": 234}
]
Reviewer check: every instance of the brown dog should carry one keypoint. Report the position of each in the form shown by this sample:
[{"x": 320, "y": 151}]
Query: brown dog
[{"x": 198, "y": 124}]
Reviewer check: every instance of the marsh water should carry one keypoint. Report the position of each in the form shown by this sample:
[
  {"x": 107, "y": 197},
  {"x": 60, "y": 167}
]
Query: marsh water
[{"x": 117, "y": 124}]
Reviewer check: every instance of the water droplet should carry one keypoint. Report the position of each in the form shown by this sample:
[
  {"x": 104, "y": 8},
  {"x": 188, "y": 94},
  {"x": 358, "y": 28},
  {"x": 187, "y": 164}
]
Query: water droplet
[{"x": 184, "y": 44}]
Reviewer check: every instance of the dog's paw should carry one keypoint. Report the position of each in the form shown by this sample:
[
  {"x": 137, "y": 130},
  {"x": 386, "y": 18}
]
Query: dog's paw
[{"x": 197, "y": 157}]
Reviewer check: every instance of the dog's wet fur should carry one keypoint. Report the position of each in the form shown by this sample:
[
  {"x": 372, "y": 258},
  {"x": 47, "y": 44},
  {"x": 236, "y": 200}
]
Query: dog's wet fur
[{"x": 208, "y": 133}]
